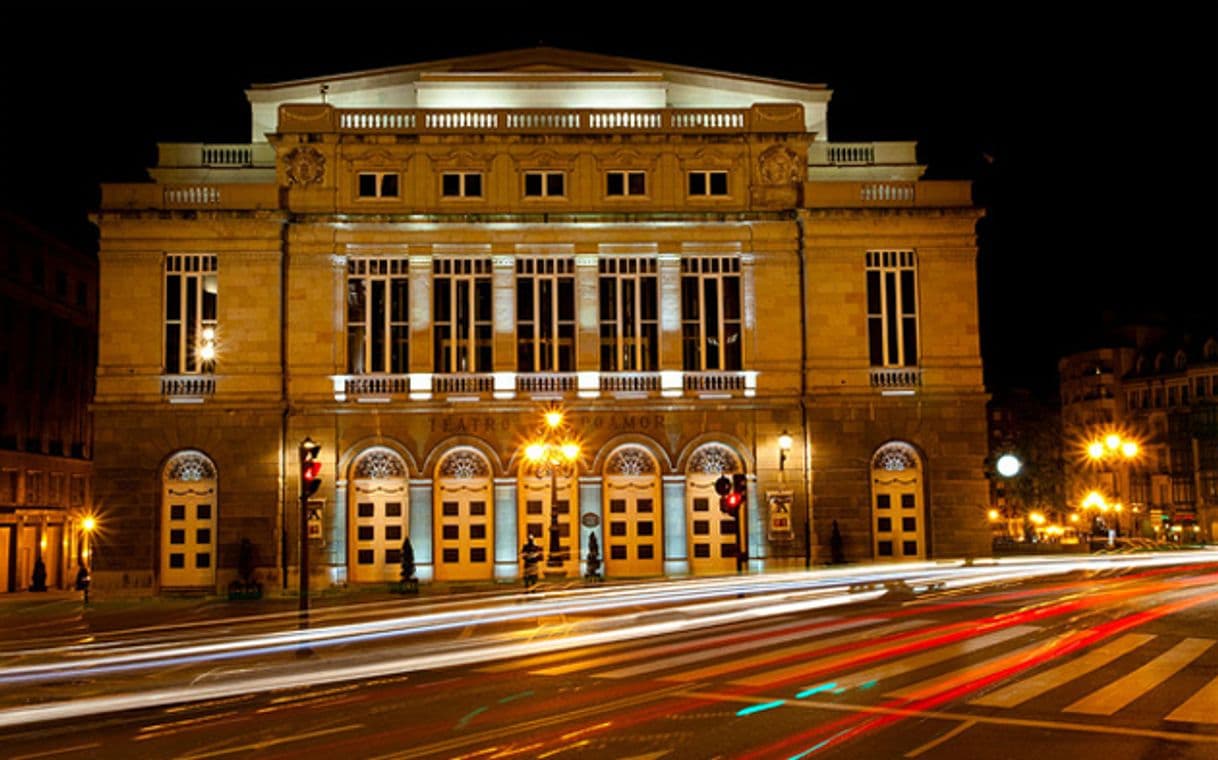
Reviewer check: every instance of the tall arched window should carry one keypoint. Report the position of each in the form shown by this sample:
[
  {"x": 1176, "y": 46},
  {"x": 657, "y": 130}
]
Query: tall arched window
[{"x": 188, "y": 521}]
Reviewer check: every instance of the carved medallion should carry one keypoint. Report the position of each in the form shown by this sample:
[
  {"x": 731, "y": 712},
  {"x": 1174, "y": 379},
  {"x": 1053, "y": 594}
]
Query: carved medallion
[
  {"x": 305, "y": 166},
  {"x": 780, "y": 166}
]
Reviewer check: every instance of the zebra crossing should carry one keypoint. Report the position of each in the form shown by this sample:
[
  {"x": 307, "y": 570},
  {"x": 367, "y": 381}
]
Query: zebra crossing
[{"x": 1023, "y": 666}]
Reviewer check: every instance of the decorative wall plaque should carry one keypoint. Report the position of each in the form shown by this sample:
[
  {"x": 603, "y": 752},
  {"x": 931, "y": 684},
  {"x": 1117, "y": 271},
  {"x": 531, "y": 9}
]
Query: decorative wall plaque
[{"x": 305, "y": 166}]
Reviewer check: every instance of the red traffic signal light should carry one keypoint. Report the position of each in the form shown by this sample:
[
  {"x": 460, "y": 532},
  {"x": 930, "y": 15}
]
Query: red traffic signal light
[
  {"x": 310, "y": 468},
  {"x": 730, "y": 503}
]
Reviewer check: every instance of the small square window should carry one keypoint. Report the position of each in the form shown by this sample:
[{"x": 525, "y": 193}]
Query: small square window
[
  {"x": 544, "y": 185},
  {"x": 647, "y": 551},
  {"x": 727, "y": 527},
  {"x": 366, "y": 557},
  {"x": 477, "y": 554},
  {"x": 477, "y": 508},
  {"x": 617, "y": 528},
  {"x": 617, "y": 506},
  {"x": 461, "y": 185},
  {"x": 701, "y": 505},
  {"x": 366, "y": 509},
  {"x": 617, "y": 552},
  {"x": 203, "y": 512},
  {"x": 562, "y": 507},
  {"x": 177, "y": 511},
  {"x": 909, "y": 524},
  {"x": 202, "y": 560},
  {"x": 393, "y": 556},
  {"x": 908, "y": 501},
  {"x": 884, "y": 548},
  {"x": 477, "y": 532},
  {"x": 451, "y": 556},
  {"x": 883, "y": 501},
  {"x": 534, "y": 508},
  {"x": 393, "y": 509},
  {"x": 451, "y": 532},
  {"x": 646, "y": 528},
  {"x": 378, "y": 185},
  {"x": 910, "y": 548},
  {"x": 701, "y": 527},
  {"x": 623, "y": 183},
  {"x": 367, "y": 533},
  {"x": 393, "y": 532},
  {"x": 450, "y": 509},
  {"x": 177, "y": 536},
  {"x": 727, "y": 550},
  {"x": 644, "y": 506},
  {"x": 203, "y": 536},
  {"x": 884, "y": 524},
  {"x": 708, "y": 183},
  {"x": 177, "y": 561},
  {"x": 702, "y": 551}
]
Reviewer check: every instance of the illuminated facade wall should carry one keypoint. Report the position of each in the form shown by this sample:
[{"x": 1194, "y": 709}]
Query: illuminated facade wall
[{"x": 409, "y": 271}]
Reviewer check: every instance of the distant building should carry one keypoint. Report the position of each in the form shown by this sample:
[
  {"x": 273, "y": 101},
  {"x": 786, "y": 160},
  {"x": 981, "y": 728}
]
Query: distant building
[
  {"x": 405, "y": 264},
  {"x": 1161, "y": 391},
  {"x": 48, "y": 351}
]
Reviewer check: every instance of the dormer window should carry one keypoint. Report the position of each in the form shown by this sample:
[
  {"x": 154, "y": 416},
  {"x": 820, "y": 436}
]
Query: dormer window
[{"x": 378, "y": 185}]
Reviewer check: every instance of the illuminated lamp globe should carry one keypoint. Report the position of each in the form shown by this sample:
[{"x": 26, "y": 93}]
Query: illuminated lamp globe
[
  {"x": 1009, "y": 465},
  {"x": 1129, "y": 449},
  {"x": 88, "y": 524},
  {"x": 1112, "y": 441},
  {"x": 535, "y": 452},
  {"x": 1095, "y": 450}
]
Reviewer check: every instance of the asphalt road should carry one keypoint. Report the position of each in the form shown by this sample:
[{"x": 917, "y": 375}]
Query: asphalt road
[{"x": 1110, "y": 661}]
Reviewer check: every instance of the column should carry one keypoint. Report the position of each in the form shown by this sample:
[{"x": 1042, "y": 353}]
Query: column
[
  {"x": 507, "y": 564},
  {"x": 420, "y": 317},
  {"x": 335, "y": 529},
  {"x": 503, "y": 289},
  {"x": 756, "y": 523},
  {"x": 669, "y": 265},
  {"x": 421, "y": 529},
  {"x": 590, "y": 504},
  {"x": 676, "y": 544},
  {"x": 587, "y": 315}
]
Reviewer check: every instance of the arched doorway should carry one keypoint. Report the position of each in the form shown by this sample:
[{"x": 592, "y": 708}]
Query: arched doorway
[
  {"x": 712, "y": 534},
  {"x": 378, "y": 516},
  {"x": 898, "y": 520},
  {"x": 633, "y": 541},
  {"x": 188, "y": 521},
  {"x": 464, "y": 518}
]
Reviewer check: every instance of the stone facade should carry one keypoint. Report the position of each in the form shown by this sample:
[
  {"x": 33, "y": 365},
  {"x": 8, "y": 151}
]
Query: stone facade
[{"x": 840, "y": 310}]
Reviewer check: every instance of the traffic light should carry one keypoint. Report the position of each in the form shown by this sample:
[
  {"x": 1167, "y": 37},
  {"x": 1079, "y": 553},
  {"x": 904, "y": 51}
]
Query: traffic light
[
  {"x": 310, "y": 468},
  {"x": 740, "y": 485}
]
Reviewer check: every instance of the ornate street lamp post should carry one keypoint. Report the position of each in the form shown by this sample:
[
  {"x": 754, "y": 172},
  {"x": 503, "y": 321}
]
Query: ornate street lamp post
[
  {"x": 1114, "y": 448},
  {"x": 554, "y": 449}
]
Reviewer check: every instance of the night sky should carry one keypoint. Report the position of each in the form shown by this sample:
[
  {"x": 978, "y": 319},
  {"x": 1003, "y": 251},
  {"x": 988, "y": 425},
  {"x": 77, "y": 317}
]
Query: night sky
[{"x": 1092, "y": 137}]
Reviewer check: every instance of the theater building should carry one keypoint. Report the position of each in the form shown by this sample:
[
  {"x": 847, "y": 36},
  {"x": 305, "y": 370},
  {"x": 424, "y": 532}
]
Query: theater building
[{"x": 408, "y": 265}]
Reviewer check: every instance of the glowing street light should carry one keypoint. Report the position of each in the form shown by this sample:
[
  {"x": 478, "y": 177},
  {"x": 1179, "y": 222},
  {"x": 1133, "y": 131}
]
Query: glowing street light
[
  {"x": 1009, "y": 465},
  {"x": 551, "y": 451}
]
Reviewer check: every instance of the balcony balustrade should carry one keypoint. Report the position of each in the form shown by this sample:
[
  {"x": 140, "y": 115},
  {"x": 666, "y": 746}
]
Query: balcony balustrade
[
  {"x": 186, "y": 388},
  {"x": 764, "y": 117},
  {"x": 507, "y": 385},
  {"x": 896, "y": 378}
]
